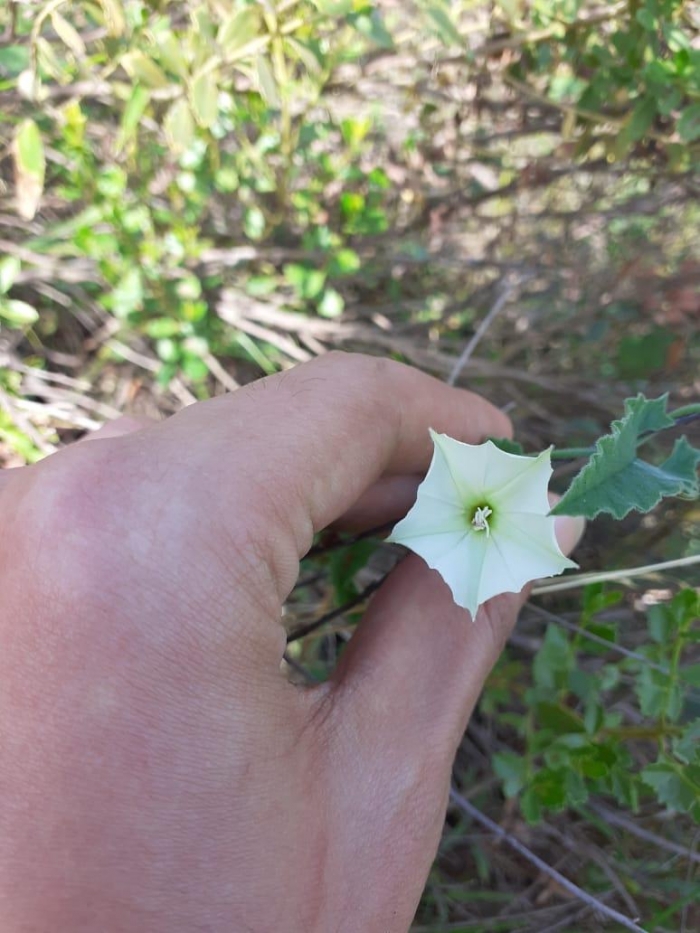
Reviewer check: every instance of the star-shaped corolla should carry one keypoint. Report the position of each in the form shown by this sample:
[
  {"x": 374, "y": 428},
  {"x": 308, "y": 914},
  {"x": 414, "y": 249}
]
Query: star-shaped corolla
[{"x": 481, "y": 519}]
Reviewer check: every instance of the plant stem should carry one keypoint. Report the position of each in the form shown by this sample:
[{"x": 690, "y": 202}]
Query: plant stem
[
  {"x": 685, "y": 410},
  {"x": 500, "y": 833},
  {"x": 683, "y": 415},
  {"x": 583, "y": 579},
  {"x": 571, "y": 453}
]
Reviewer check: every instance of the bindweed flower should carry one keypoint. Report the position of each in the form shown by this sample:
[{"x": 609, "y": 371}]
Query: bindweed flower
[{"x": 481, "y": 519}]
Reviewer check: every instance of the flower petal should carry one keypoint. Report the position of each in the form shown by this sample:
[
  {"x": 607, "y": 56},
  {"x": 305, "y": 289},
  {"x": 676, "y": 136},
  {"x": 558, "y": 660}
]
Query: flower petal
[
  {"x": 429, "y": 516},
  {"x": 520, "y": 484},
  {"x": 459, "y": 562},
  {"x": 465, "y": 464},
  {"x": 525, "y": 549}
]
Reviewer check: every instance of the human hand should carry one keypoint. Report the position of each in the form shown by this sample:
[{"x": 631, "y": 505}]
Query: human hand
[{"x": 157, "y": 771}]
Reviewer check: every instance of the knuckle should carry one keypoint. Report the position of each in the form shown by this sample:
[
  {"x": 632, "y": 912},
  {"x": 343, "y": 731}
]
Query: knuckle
[{"x": 61, "y": 499}]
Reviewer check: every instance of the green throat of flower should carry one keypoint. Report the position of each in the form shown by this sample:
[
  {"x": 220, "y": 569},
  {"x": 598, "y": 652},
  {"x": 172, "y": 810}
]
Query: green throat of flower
[{"x": 481, "y": 517}]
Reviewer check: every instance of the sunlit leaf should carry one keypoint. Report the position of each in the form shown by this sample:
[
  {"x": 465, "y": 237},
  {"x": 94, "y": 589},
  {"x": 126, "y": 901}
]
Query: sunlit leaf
[
  {"x": 171, "y": 54},
  {"x": 68, "y": 34},
  {"x": 267, "y": 83},
  {"x": 333, "y": 7},
  {"x": 204, "y": 95},
  {"x": 239, "y": 29},
  {"x": 131, "y": 117},
  {"x": 144, "y": 69},
  {"x": 114, "y": 17},
  {"x": 9, "y": 270},
  {"x": 18, "y": 312},
  {"x": 439, "y": 15},
  {"x": 179, "y": 126},
  {"x": 30, "y": 168}
]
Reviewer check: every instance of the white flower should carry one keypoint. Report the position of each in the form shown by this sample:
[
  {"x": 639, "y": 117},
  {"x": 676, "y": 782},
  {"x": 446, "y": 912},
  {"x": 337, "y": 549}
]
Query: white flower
[{"x": 482, "y": 520}]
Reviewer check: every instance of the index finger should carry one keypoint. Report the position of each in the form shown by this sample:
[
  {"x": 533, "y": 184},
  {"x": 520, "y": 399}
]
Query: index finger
[{"x": 296, "y": 450}]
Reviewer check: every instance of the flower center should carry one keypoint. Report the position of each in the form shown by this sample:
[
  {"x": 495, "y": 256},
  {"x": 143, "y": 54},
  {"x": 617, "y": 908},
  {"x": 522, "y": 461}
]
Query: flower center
[{"x": 480, "y": 519}]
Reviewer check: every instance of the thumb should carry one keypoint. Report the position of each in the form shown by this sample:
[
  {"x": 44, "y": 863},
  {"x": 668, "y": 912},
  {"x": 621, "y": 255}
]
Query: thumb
[
  {"x": 119, "y": 427},
  {"x": 416, "y": 666}
]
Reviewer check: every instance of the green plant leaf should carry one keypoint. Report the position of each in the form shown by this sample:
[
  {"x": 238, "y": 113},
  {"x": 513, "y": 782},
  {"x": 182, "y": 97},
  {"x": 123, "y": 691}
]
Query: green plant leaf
[
  {"x": 616, "y": 481},
  {"x": 677, "y": 787},
  {"x": 440, "y": 16},
  {"x": 9, "y": 270},
  {"x": 205, "y": 97},
  {"x": 69, "y": 35},
  {"x": 143, "y": 69},
  {"x": 512, "y": 770},
  {"x": 331, "y": 304},
  {"x": 508, "y": 445},
  {"x": 239, "y": 30},
  {"x": 179, "y": 126},
  {"x": 133, "y": 111},
  {"x": 689, "y": 124},
  {"x": 267, "y": 83},
  {"x": 18, "y": 313},
  {"x": 13, "y": 60},
  {"x": 333, "y": 7},
  {"x": 30, "y": 168}
]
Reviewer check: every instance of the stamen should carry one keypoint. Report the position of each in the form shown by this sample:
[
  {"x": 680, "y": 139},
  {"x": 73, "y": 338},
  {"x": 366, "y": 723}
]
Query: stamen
[{"x": 480, "y": 519}]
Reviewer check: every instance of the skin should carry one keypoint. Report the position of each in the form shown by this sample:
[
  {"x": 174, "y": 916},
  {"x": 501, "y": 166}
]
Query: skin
[{"x": 157, "y": 770}]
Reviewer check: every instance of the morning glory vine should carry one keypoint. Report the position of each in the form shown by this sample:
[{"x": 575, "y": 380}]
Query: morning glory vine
[{"x": 482, "y": 517}]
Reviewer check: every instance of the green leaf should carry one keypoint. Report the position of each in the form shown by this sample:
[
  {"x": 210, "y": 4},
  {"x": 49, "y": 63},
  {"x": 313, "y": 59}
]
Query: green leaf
[
  {"x": 127, "y": 295},
  {"x": 69, "y": 35},
  {"x": 18, "y": 313},
  {"x": 143, "y": 69},
  {"x": 267, "y": 83},
  {"x": 558, "y": 718},
  {"x": 687, "y": 746},
  {"x": 179, "y": 126},
  {"x": 307, "y": 283},
  {"x": 616, "y": 481},
  {"x": 677, "y": 787},
  {"x": 689, "y": 124},
  {"x": 30, "y": 168},
  {"x": 658, "y": 694},
  {"x": 344, "y": 565},
  {"x": 344, "y": 262},
  {"x": 134, "y": 110},
  {"x": 238, "y": 30},
  {"x": 13, "y": 60},
  {"x": 205, "y": 97},
  {"x": 440, "y": 14},
  {"x": 508, "y": 446},
  {"x": 254, "y": 224},
  {"x": 553, "y": 660},
  {"x": 9, "y": 270},
  {"x": 114, "y": 17},
  {"x": 512, "y": 770},
  {"x": 371, "y": 25},
  {"x": 331, "y": 304},
  {"x": 171, "y": 54},
  {"x": 333, "y": 7}
]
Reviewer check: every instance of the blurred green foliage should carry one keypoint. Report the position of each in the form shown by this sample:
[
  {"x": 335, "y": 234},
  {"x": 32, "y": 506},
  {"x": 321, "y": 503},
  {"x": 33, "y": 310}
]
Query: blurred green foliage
[{"x": 174, "y": 127}]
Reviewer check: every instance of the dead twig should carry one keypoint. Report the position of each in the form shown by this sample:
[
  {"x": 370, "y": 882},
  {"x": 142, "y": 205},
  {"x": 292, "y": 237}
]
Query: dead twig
[
  {"x": 504, "y": 295},
  {"x": 617, "y": 819},
  {"x": 581, "y": 895}
]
